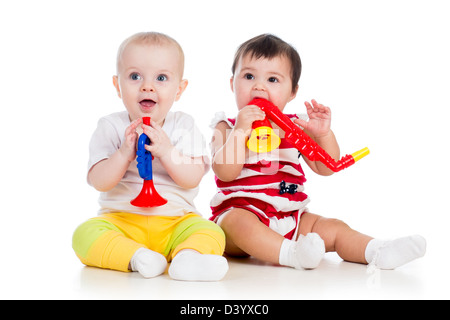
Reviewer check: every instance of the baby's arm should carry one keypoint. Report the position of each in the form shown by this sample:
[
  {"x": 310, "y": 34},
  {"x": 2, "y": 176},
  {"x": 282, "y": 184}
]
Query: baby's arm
[
  {"x": 319, "y": 129},
  {"x": 228, "y": 146},
  {"x": 107, "y": 173},
  {"x": 185, "y": 171}
]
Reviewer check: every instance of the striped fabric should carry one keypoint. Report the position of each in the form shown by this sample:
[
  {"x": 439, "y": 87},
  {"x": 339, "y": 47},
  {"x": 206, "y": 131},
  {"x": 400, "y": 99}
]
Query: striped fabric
[{"x": 257, "y": 188}]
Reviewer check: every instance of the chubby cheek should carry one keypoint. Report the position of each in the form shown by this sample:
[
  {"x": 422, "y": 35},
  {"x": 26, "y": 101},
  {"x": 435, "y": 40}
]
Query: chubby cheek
[
  {"x": 242, "y": 99},
  {"x": 160, "y": 112},
  {"x": 242, "y": 103},
  {"x": 132, "y": 109}
]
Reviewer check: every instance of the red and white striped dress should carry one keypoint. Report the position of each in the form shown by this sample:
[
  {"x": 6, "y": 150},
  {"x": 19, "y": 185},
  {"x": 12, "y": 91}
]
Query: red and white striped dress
[{"x": 257, "y": 188}]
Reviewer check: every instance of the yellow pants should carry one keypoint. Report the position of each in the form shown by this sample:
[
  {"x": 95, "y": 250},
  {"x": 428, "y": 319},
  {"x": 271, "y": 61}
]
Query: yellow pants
[{"x": 110, "y": 240}]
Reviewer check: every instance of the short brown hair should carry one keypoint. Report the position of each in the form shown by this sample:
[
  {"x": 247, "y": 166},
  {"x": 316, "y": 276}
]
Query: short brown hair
[{"x": 269, "y": 46}]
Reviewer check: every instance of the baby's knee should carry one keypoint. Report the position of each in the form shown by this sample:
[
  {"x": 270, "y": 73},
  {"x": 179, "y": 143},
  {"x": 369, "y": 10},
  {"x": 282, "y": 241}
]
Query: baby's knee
[
  {"x": 237, "y": 217},
  {"x": 337, "y": 223},
  {"x": 199, "y": 234},
  {"x": 329, "y": 228},
  {"x": 321, "y": 224},
  {"x": 88, "y": 232}
]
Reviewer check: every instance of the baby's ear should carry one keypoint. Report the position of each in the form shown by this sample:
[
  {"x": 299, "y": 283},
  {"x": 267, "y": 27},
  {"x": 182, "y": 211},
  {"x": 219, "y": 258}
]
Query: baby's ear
[
  {"x": 181, "y": 88},
  {"x": 116, "y": 85},
  {"x": 294, "y": 93}
]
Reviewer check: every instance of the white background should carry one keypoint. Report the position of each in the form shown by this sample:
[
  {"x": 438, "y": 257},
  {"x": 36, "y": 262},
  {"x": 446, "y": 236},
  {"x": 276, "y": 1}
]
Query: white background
[{"x": 382, "y": 66}]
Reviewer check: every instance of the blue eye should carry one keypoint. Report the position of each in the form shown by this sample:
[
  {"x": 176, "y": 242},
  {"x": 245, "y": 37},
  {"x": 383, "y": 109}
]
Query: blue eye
[
  {"x": 135, "y": 76},
  {"x": 161, "y": 77}
]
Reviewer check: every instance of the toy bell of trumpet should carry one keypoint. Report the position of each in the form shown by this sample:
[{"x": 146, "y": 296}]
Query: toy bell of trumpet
[{"x": 263, "y": 137}]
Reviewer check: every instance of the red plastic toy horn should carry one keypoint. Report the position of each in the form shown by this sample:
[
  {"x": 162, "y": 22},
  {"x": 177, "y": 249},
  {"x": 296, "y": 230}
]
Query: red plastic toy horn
[
  {"x": 148, "y": 197},
  {"x": 300, "y": 140}
]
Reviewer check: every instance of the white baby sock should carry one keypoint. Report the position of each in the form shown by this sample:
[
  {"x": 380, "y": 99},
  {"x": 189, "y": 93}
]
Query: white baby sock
[
  {"x": 306, "y": 252},
  {"x": 148, "y": 263},
  {"x": 394, "y": 253},
  {"x": 190, "y": 265}
]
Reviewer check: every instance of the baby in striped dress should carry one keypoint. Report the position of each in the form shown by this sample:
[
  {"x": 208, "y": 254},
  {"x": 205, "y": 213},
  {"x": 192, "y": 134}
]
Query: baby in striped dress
[{"x": 260, "y": 203}]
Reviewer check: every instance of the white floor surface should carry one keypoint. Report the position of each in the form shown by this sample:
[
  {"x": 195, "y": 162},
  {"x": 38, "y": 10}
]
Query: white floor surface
[{"x": 246, "y": 279}]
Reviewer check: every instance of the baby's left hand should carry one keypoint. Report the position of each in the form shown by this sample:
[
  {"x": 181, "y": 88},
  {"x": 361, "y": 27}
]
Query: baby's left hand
[
  {"x": 160, "y": 144},
  {"x": 319, "y": 124}
]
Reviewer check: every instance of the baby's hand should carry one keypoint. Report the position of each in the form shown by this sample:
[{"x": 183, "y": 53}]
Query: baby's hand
[
  {"x": 247, "y": 116},
  {"x": 319, "y": 123},
  {"x": 128, "y": 147},
  {"x": 160, "y": 144}
]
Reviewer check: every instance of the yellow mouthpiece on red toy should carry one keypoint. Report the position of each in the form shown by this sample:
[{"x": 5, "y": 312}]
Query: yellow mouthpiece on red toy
[{"x": 360, "y": 154}]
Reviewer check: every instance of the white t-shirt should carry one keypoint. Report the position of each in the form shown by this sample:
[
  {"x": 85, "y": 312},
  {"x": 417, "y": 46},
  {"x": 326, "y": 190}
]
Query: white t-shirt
[{"x": 186, "y": 138}]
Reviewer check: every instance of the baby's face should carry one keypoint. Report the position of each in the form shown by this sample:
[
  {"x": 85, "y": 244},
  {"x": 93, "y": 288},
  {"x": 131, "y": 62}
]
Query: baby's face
[
  {"x": 149, "y": 80},
  {"x": 262, "y": 78}
]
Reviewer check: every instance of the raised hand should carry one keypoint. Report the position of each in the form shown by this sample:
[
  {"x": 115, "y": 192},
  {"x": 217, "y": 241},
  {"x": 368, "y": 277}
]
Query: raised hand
[{"x": 319, "y": 123}]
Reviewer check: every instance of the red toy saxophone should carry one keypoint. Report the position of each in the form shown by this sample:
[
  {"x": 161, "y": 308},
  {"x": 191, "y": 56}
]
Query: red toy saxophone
[{"x": 266, "y": 141}]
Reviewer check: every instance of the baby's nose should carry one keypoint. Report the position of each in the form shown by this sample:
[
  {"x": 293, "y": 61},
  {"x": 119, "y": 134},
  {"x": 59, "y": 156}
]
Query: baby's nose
[
  {"x": 147, "y": 87},
  {"x": 259, "y": 86}
]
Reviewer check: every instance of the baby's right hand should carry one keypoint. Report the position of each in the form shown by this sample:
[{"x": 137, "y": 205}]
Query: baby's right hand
[
  {"x": 247, "y": 116},
  {"x": 128, "y": 147}
]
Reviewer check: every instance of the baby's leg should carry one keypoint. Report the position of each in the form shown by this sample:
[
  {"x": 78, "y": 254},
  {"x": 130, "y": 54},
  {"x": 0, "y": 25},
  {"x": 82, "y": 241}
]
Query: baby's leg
[
  {"x": 247, "y": 235},
  {"x": 354, "y": 246},
  {"x": 100, "y": 243},
  {"x": 349, "y": 244}
]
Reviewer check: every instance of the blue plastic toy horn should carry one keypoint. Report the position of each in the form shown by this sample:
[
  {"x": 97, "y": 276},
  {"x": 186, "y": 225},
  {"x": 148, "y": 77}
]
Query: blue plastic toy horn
[
  {"x": 148, "y": 197},
  {"x": 144, "y": 158}
]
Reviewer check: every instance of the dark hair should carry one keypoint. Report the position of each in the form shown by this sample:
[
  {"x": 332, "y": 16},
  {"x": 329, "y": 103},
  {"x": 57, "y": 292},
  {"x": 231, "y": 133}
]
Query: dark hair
[{"x": 269, "y": 46}]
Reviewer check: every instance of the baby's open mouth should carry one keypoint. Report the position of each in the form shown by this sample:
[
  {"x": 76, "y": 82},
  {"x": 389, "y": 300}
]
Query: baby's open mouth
[{"x": 147, "y": 103}]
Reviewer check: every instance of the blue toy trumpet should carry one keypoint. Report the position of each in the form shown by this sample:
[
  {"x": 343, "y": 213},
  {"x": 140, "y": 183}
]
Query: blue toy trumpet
[{"x": 148, "y": 197}]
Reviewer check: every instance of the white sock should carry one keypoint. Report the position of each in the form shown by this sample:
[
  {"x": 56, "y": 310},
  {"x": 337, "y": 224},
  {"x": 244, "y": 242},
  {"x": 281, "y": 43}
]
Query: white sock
[
  {"x": 306, "y": 252},
  {"x": 286, "y": 257},
  {"x": 190, "y": 265},
  {"x": 148, "y": 263},
  {"x": 394, "y": 253}
]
